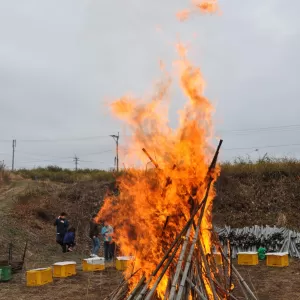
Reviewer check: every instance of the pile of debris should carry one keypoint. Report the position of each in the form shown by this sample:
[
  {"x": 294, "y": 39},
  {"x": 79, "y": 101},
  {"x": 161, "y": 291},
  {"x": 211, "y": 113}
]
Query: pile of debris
[{"x": 274, "y": 239}]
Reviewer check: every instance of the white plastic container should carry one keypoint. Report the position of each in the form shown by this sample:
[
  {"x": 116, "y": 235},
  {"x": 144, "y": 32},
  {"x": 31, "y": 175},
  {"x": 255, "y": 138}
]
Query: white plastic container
[{"x": 95, "y": 260}]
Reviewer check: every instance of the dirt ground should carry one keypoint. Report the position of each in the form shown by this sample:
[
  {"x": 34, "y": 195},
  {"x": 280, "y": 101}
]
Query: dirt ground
[
  {"x": 85, "y": 285},
  {"x": 267, "y": 284},
  {"x": 273, "y": 283}
]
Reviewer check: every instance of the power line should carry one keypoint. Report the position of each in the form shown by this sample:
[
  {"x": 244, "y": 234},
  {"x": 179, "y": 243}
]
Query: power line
[
  {"x": 59, "y": 140},
  {"x": 245, "y": 130},
  {"x": 95, "y": 153},
  {"x": 262, "y": 147},
  {"x": 42, "y": 155},
  {"x": 296, "y": 126}
]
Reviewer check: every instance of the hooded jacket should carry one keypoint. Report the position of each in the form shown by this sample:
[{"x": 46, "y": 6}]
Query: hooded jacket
[{"x": 69, "y": 238}]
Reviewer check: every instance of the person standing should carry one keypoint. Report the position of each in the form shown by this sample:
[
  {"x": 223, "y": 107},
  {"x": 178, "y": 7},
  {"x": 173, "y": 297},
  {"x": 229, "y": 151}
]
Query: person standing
[
  {"x": 107, "y": 232},
  {"x": 94, "y": 235},
  {"x": 62, "y": 225}
]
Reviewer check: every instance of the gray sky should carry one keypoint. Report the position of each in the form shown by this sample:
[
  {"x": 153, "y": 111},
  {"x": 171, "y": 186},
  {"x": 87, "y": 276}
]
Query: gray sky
[{"x": 61, "y": 61}]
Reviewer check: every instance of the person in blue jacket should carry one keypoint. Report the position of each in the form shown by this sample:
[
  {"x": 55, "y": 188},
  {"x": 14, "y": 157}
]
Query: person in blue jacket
[
  {"x": 62, "y": 225},
  {"x": 69, "y": 240}
]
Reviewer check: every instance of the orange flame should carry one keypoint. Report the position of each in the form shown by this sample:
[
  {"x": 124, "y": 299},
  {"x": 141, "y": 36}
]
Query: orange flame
[
  {"x": 203, "y": 6},
  {"x": 183, "y": 15},
  {"x": 147, "y": 198}
]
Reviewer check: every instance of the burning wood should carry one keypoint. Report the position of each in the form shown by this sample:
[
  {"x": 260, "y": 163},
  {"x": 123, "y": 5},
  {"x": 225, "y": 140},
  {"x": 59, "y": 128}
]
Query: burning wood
[
  {"x": 194, "y": 273},
  {"x": 168, "y": 208}
]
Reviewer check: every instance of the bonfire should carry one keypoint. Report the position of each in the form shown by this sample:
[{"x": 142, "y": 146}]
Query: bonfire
[{"x": 163, "y": 213}]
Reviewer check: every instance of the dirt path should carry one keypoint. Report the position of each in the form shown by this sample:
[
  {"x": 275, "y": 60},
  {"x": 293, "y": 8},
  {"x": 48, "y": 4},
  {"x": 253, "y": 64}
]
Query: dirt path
[{"x": 8, "y": 194}]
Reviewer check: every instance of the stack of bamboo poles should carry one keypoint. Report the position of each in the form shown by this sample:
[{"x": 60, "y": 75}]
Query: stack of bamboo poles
[
  {"x": 191, "y": 270},
  {"x": 274, "y": 239}
]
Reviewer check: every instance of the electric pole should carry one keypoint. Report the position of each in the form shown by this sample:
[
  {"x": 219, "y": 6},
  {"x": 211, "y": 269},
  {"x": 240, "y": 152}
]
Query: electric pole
[
  {"x": 14, "y": 144},
  {"x": 116, "y": 138},
  {"x": 76, "y": 160}
]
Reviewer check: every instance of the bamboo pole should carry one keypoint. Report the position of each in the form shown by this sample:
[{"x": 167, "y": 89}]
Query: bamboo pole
[
  {"x": 188, "y": 263},
  {"x": 243, "y": 282},
  {"x": 152, "y": 291},
  {"x": 202, "y": 289},
  {"x": 121, "y": 285},
  {"x": 194, "y": 286},
  {"x": 179, "y": 264},
  {"x": 136, "y": 289},
  {"x": 188, "y": 286},
  {"x": 240, "y": 278},
  {"x": 165, "y": 257},
  {"x": 189, "y": 222},
  {"x": 207, "y": 270},
  {"x": 196, "y": 289}
]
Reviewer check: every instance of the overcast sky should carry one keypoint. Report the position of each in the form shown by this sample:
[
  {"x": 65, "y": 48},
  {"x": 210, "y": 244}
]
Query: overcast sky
[{"x": 61, "y": 61}]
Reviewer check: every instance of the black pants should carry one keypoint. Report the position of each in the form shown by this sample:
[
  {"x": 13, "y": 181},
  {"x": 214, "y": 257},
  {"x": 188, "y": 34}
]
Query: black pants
[
  {"x": 109, "y": 250},
  {"x": 60, "y": 240}
]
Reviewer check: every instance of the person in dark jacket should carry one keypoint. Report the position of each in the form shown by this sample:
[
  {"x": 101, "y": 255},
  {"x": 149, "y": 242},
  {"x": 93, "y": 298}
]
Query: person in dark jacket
[
  {"x": 94, "y": 235},
  {"x": 62, "y": 225},
  {"x": 69, "y": 240}
]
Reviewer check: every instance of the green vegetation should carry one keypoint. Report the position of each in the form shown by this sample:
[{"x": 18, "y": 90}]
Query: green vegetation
[
  {"x": 264, "y": 166},
  {"x": 57, "y": 174},
  {"x": 240, "y": 166}
]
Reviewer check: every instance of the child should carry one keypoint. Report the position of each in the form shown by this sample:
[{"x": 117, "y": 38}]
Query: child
[{"x": 69, "y": 240}]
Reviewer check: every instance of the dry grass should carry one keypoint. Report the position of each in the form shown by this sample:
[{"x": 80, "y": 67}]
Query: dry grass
[
  {"x": 263, "y": 166},
  {"x": 57, "y": 174},
  {"x": 5, "y": 177},
  {"x": 248, "y": 193}
]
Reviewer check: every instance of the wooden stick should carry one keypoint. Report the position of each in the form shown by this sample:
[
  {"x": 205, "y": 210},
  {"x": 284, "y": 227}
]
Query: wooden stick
[
  {"x": 188, "y": 286},
  {"x": 194, "y": 286},
  {"x": 202, "y": 289},
  {"x": 207, "y": 270},
  {"x": 141, "y": 282},
  {"x": 152, "y": 160},
  {"x": 121, "y": 284},
  {"x": 240, "y": 278},
  {"x": 183, "y": 231},
  {"x": 152, "y": 291},
  {"x": 188, "y": 262},
  {"x": 196, "y": 289},
  {"x": 230, "y": 264},
  {"x": 243, "y": 282},
  {"x": 189, "y": 222},
  {"x": 179, "y": 264}
]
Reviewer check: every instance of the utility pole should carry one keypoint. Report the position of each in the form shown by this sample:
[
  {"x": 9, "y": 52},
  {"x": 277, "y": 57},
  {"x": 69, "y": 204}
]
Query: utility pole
[
  {"x": 116, "y": 138},
  {"x": 14, "y": 144},
  {"x": 76, "y": 160}
]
